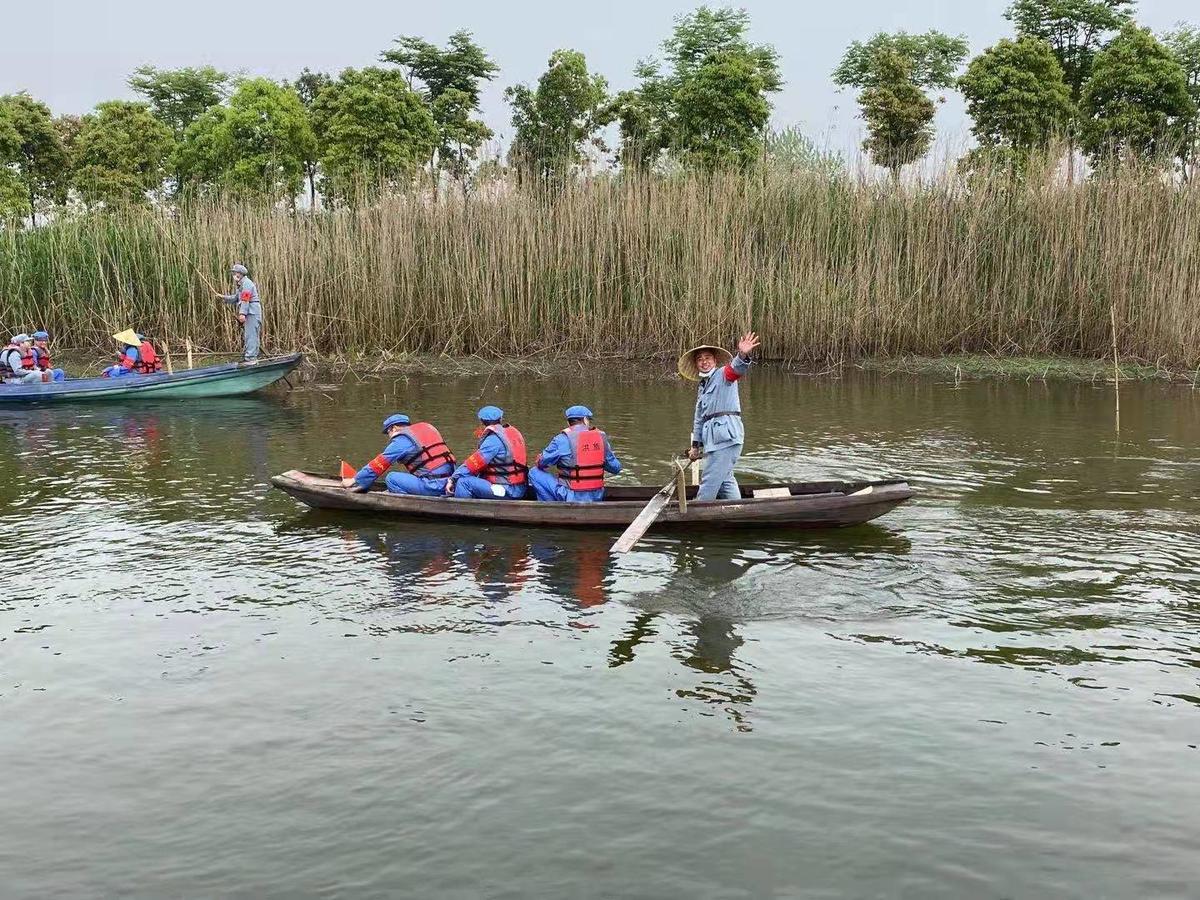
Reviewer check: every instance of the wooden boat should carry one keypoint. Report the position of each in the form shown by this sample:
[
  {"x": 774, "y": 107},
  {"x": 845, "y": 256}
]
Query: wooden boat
[
  {"x": 225, "y": 380},
  {"x": 819, "y": 504}
]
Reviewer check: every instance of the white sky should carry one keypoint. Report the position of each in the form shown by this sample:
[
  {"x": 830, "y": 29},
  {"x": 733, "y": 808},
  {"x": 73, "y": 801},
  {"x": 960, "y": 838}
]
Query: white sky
[{"x": 75, "y": 53}]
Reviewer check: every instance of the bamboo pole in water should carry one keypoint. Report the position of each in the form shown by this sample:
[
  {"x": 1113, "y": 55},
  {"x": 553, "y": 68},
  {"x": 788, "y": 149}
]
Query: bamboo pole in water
[
  {"x": 188, "y": 346},
  {"x": 1112, "y": 310}
]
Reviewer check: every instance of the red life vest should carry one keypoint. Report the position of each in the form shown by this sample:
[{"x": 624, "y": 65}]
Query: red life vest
[
  {"x": 43, "y": 357},
  {"x": 26, "y": 360},
  {"x": 583, "y": 470},
  {"x": 433, "y": 453},
  {"x": 508, "y": 467},
  {"x": 147, "y": 362}
]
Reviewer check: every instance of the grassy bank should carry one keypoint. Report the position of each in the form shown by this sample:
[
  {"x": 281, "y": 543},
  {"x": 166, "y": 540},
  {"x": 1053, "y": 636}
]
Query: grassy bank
[{"x": 829, "y": 271}]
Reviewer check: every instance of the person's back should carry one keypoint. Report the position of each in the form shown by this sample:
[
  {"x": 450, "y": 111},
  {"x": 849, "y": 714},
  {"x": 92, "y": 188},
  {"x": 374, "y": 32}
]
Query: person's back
[{"x": 583, "y": 456}]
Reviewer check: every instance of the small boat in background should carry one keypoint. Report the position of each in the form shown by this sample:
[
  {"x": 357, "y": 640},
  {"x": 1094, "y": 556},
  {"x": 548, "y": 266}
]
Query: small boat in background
[
  {"x": 819, "y": 504},
  {"x": 225, "y": 380}
]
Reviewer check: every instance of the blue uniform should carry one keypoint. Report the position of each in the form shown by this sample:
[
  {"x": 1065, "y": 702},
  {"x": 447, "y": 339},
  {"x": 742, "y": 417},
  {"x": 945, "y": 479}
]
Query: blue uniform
[
  {"x": 248, "y": 305},
  {"x": 402, "y": 449},
  {"x": 469, "y": 486},
  {"x": 720, "y": 432},
  {"x": 558, "y": 453},
  {"x": 126, "y": 367}
]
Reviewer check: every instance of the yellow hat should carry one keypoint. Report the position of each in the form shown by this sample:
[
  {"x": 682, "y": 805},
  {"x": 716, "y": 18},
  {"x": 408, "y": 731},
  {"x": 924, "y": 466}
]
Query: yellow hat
[
  {"x": 687, "y": 362},
  {"x": 128, "y": 337}
]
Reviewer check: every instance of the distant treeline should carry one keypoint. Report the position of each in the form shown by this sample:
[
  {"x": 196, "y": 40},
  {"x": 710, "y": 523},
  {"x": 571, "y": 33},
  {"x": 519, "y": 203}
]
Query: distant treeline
[{"x": 1080, "y": 74}]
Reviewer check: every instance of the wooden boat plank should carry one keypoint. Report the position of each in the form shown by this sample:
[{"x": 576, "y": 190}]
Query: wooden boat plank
[{"x": 812, "y": 505}]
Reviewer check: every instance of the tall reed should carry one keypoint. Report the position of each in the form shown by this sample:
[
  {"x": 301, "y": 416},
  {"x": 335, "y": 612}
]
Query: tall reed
[{"x": 828, "y": 270}]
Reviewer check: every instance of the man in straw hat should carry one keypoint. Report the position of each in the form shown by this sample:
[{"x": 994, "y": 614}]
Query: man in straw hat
[
  {"x": 249, "y": 310},
  {"x": 137, "y": 356},
  {"x": 717, "y": 430}
]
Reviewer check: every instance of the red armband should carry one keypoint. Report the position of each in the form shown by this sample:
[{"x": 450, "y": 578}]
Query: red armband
[
  {"x": 379, "y": 464},
  {"x": 475, "y": 463},
  {"x": 730, "y": 374},
  {"x": 247, "y": 296}
]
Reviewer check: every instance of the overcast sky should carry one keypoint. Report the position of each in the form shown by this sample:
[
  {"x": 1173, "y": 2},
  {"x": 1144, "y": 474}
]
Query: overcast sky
[{"x": 74, "y": 53}]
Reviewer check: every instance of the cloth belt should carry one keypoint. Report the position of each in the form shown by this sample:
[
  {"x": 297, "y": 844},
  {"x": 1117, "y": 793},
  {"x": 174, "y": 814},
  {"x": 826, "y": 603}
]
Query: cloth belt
[{"x": 718, "y": 415}]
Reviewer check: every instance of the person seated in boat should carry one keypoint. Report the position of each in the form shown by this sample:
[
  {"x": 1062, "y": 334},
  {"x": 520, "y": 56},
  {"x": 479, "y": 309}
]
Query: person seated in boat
[
  {"x": 17, "y": 363},
  {"x": 41, "y": 356},
  {"x": 717, "y": 430},
  {"x": 582, "y": 454},
  {"x": 420, "y": 449},
  {"x": 138, "y": 356},
  {"x": 496, "y": 470}
]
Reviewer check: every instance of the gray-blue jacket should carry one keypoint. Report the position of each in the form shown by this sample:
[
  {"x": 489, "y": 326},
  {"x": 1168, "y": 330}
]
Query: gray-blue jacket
[
  {"x": 246, "y": 298},
  {"x": 718, "y": 393}
]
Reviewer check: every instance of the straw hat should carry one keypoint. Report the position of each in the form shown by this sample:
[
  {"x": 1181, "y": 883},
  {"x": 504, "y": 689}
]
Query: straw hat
[
  {"x": 687, "y": 362},
  {"x": 128, "y": 337}
]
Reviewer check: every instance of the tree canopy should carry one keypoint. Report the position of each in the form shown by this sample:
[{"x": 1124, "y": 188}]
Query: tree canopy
[
  {"x": 40, "y": 164},
  {"x": 120, "y": 154},
  {"x": 178, "y": 97}
]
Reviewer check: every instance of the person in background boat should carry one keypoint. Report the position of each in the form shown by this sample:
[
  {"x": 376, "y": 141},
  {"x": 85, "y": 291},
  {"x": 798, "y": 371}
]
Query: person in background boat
[
  {"x": 41, "y": 356},
  {"x": 137, "y": 357},
  {"x": 496, "y": 470},
  {"x": 717, "y": 429},
  {"x": 582, "y": 454},
  {"x": 420, "y": 449},
  {"x": 249, "y": 311},
  {"x": 17, "y": 364}
]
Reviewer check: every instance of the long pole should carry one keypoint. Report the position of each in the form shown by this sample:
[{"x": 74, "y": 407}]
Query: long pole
[{"x": 1112, "y": 309}]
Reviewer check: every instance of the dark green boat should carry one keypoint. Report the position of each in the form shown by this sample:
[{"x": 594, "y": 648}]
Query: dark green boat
[{"x": 225, "y": 380}]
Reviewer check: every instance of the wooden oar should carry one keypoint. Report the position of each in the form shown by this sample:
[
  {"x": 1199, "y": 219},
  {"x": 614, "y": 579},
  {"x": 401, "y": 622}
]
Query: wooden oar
[{"x": 646, "y": 517}]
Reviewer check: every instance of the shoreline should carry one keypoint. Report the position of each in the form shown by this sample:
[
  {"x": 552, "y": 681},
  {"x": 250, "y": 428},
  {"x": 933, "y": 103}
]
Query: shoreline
[{"x": 960, "y": 366}]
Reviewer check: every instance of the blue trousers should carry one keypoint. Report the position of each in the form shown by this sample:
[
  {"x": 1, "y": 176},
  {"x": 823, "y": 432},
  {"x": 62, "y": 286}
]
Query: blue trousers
[
  {"x": 250, "y": 333},
  {"x": 549, "y": 489},
  {"x": 716, "y": 475},
  {"x": 407, "y": 483},
  {"x": 471, "y": 487},
  {"x": 57, "y": 374}
]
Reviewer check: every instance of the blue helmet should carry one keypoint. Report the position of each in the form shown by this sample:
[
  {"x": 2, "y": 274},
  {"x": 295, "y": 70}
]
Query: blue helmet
[
  {"x": 579, "y": 412},
  {"x": 41, "y": 335},
  {"x": 490, "y": 414},
  {"x": 397, "y": 419}
]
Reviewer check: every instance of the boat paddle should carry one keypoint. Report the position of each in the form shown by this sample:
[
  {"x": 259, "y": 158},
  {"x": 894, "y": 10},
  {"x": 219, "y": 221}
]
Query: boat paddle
[{"x": 648, "y": 516}]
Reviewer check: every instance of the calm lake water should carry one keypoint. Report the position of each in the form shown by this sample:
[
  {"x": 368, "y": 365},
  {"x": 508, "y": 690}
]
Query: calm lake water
[{"x": 994, "y": 691}]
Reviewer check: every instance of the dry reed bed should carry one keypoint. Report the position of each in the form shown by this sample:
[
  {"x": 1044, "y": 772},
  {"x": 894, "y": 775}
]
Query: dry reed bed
[{"x": 829, "y": 271}]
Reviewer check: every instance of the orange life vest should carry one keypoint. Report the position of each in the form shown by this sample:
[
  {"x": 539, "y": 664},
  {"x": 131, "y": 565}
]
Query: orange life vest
[
  {"x": 509, "y": 467},
  {"x": 587, "y": 452},
  {"x": 147, "y": 362},
  {"x": 433, "y": 450},
  {"x": 26, "y": 359},
  {"x": 43, "y": 357}
]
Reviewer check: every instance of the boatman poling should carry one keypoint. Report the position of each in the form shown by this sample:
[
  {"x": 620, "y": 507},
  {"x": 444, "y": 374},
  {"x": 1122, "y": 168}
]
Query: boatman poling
[
  {"x": 497, "y": 469},
  {"x": 420, "y": 449},
  {"x": 249, "y": 311},
  {"x": 583, "y": 456},
  {"x": 717, "y": 430}
]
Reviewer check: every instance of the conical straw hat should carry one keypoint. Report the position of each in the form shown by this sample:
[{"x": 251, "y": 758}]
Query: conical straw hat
[
  {"x": 687, "y": 362},
  {"x": 128, "y": 336}
]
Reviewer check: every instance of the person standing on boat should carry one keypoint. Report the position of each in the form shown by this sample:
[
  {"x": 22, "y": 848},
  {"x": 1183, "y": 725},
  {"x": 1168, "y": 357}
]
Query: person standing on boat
[
  {"x": 582, "y": 454},
  {"x": 249, "y": 311},
  {"x": 420, "y": 449},
  {"x": 717, "y": 430},
  {"x": 496, "y": 470},
  {"x": 17, "y": 363},
  {"x": 41, "y": 356}
]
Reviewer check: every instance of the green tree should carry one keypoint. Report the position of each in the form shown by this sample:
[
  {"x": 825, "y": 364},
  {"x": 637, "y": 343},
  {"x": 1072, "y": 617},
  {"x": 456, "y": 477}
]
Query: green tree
[
  {"x": 556, "y": 121},
  {"x": 1136, "y": 103},
  {"x": 178, "y": 97},
  {"x": 256, "y": 144},
  {"x": 1076, "y": 30},
  {"x": 1017, "y": 98},
  {"x": 708, "y": 104},
  {"x": 120, "y": 154},
  {"x": 790, "y": 151},
  {"x": 893, "y": 73},
  {"x": 449, "y": 81},
  {"x": 371, "y": 124},
  {"x": 1184, "y": 44},
  {"x": 41, "y": 165},
  {"x": 13, "y": 202},
  {"x": 308, "y": 86}
]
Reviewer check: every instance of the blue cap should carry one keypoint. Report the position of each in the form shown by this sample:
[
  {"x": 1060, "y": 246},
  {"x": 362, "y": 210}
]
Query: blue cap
[
  {"x": 579, "y": 412},
  {"x": 41, "y": 335},
  {"x": 491, "y": 414},
  {"x": 23, "y": 337},
  {"x": 397, "y": 419}
]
